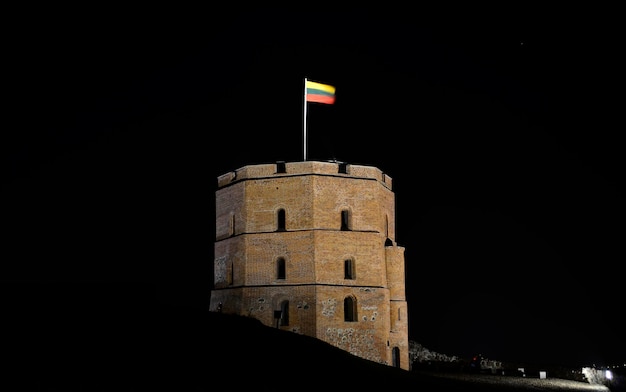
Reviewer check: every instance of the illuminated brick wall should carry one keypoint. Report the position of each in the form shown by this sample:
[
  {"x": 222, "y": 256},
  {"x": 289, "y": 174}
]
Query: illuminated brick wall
[{"x": 285, "y": 236}]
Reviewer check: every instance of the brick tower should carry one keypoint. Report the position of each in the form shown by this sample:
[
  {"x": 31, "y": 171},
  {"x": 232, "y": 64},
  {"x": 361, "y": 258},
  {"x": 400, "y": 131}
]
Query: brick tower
[{"x": 309, "y": 247}]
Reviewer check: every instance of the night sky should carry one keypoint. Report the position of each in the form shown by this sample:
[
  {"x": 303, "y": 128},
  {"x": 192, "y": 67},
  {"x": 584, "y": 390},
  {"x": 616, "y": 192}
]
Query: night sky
[{"x": 499, "y": 127}]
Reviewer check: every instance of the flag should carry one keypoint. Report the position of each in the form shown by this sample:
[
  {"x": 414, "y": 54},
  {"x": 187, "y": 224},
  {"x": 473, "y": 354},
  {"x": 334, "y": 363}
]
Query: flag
[{"x": 321, "y": 93}]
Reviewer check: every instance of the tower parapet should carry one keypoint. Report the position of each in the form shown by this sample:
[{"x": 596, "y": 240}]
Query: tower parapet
[{"x": 306, "y": 167}]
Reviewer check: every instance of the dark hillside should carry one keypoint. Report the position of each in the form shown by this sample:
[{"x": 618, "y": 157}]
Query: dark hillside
[
  {"x": 89, "y": 337},
  {"x": 83, "y": 337}
]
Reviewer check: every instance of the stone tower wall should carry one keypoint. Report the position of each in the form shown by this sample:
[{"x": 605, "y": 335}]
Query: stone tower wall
[
  {"x": 310, "y": 202},
  {"x": 318, "y": 200},
  {"x": 395, "y": 272},
  {"x": 311, "y": 257},
  {"x": 367, "y": 336}
]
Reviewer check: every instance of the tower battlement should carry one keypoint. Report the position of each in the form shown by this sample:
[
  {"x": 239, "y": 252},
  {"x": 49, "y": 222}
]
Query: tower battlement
[{"x": 302, "y": 168}]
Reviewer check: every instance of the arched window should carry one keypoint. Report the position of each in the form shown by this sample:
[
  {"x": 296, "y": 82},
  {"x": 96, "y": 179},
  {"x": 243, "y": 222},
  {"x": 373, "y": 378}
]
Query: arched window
[
  {"x": 284, "y": 313},
  {"x": 348, "y": 269},
  {"x": 349, "y": 309},
  {"x": 395, "y": 357},
  {"x": 281, "y": 220},
  {"x": 345, "y": 220},
  {"x": 280, "y": 268}
]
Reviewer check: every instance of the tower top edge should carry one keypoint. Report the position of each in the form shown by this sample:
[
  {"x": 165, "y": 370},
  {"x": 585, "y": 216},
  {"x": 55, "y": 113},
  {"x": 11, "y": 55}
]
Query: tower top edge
[{"x": 287, "y": 169}]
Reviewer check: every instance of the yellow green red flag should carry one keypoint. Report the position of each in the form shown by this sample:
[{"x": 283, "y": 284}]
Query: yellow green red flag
[{"x": 321, "y": 93}]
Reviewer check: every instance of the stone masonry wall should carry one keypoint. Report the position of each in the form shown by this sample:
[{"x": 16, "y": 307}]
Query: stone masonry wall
[{"x": 314, "y": 249}]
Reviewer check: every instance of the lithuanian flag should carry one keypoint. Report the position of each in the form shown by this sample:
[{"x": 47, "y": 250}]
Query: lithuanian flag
[{"x": 318, "y": 92}]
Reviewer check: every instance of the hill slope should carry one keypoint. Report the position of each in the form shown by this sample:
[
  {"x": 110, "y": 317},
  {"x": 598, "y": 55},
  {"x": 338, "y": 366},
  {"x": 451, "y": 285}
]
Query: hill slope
[{"x": 62, "y": 338}]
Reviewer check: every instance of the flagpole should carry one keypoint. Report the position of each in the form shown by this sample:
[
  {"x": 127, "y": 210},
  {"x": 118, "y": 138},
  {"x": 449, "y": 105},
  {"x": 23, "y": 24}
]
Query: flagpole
[{"x": 304, "y": 119}]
